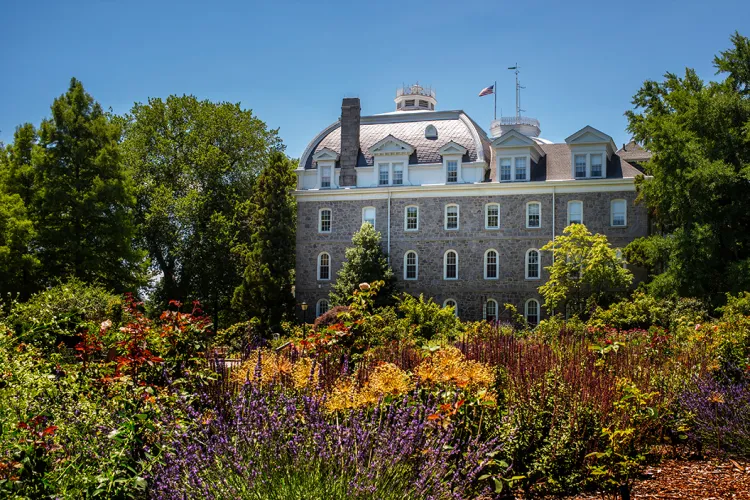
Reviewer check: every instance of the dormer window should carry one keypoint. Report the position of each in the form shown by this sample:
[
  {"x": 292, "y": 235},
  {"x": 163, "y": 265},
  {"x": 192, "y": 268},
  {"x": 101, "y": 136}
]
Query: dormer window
[
  {"x": 505, "y": 169},
  {"x": 521, "y": 174},
  {"x": 398, "y": 174},
  {"x": 325, "y": 177},
  {"x": 580, "y": 166},
  {"x": 451, "y": 168},
  {"x": 589, "y": 151},
  {"x": 452, "y": 153},
  {"x": 383, "y": 174},
  {"x": 514, "y": 168},
  {"x": 596, "y": 165},
  {"x": 430, "y": 132}
]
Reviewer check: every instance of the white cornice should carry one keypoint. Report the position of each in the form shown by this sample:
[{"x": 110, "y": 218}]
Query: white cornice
[
  {"x": 464, "y": 190},
  {"x": 381, "y": 147},
  {"x": 452, "y": 148}
]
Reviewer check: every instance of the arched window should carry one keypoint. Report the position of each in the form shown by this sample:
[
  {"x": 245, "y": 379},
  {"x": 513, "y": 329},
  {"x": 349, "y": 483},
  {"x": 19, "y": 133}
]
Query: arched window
[
  {"x": 430, "y": 132},
  {"x": 450, "y": 265},
  {"x": 531, "y": 312},
  {"x": 492, "y": 216},
  {"x": 451, "y": 216},
  {"x": 411, "y": 218},
  {"x": 411, "y": 265},
  {"x": 490, "y": 310},
  {"x": 451, "y": 303},
  {"x": 491, "y": 264},
  {"x": 324, "y": 267},
  {"x": 575, "y": 212},
  {"x": 618, "y": 214},
  {"x": 322, "y": 307},
  {"x": 324, "y": 220},
  {"x": 533, "y": 215},
  {"x": 533, "y": 264}
]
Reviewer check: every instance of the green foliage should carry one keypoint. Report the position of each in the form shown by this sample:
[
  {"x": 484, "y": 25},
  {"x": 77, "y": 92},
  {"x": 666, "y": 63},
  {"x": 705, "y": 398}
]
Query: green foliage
[
  {"x": 62, "y": 312},
  {"x": 699, "y": 135},
  {"x": 237, "y": 337},
  {"x": 365, "y": 263},
  {"x": 266, "y": 289},
  {"x": 584, "y": 271},
  {"x": 84, "y": 208},
  {"x": 427, "y": 318},
  {"x": 18, "y": 263},
  {"x": 194, "y": 164}
]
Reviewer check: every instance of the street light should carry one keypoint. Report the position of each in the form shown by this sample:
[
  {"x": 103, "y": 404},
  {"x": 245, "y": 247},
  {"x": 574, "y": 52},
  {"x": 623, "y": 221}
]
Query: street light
[{"x": 304, "y": 311}]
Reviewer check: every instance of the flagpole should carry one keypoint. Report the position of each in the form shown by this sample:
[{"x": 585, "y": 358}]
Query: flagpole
[{"x": 495, "y": 92}]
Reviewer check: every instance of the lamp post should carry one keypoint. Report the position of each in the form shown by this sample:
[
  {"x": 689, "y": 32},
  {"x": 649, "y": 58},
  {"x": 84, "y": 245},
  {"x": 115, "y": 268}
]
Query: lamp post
[{"x": 304, "y": 312}]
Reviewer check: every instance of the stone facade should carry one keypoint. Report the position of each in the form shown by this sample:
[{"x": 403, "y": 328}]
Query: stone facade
[{"x": 471, "y": 240}]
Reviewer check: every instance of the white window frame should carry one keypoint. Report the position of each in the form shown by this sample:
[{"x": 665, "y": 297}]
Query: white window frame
[
  {"x": 320, "y": 221},
  {"x": 364, "y": 209},
  {"x": 455, "y": 307},
  {"x": 585, "y": 166},
  {"x": 527, "y": 161},
  {"x": 591, "y": 165},
  {"x": 445, "y": 265},
  {"x": 538, "y": 264},
  {"x": 571, "y": 202},
  {"x": 406, "y": 218},
  {"x": 393, "y": 173},
  {"x": 587, "y": 155},
  {"x": 458, "y": 217},
  {"x": 487, "y": 216},
  {"x": 484, "y": 309},
  {"x": 388, "y": 170},
  {"x": 497, "y": 264},
  {"x": 528, "y": 214},
  {"x": 538, "y": 310},
  {"x": 326, "y": 168},
  {"x": 416, "y": 265},
  {"x": 317, "y": 307},
  {"x": 447, "y": 172},
  {"x": 612, "y": 212},
  {"x": 320, "y": 256}
]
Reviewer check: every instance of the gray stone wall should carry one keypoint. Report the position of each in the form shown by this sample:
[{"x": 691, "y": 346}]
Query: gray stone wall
[{"x": 470, "y": 241}]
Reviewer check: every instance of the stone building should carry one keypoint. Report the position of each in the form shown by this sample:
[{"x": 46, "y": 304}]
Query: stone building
[{"x": 462, "y": 213}]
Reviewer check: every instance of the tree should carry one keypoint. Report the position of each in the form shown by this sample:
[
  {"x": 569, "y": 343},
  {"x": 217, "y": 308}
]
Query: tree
[
  {"x": 365, "y": 263},
  {"x": 17, "y": 263},
  {"x": 585, "y": 268},
  {"x": 19, "y": 173},
  {"x": 194, "y": 164},
  {"x": 699, "y": 135},
  {"x": 82, "y": 204},
  {"x": 266, "y": 289}
]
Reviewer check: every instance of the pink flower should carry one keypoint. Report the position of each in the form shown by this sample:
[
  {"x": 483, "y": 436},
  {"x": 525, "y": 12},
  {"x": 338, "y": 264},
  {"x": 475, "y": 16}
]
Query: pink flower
[{"x": 697, "y": 327}]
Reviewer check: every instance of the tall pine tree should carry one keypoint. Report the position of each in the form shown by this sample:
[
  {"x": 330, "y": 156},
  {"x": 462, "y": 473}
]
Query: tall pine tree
[
  {"x": 266, "y": 289},
  {"x": 83, "y": 207}
]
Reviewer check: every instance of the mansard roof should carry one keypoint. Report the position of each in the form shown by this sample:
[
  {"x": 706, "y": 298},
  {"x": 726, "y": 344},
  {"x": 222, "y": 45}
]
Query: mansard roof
[{"x": 452, "y": 126}]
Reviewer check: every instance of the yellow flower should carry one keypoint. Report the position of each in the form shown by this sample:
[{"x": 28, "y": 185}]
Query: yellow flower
[
  {"x": 302, "y": 371},
  {"x": 449, "y": 366},
  {"x": 273, "y": 367}
]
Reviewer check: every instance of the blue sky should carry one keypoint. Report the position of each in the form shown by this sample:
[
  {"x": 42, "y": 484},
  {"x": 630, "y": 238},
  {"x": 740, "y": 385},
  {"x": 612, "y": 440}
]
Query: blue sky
[{"x": 292, "y": 62}]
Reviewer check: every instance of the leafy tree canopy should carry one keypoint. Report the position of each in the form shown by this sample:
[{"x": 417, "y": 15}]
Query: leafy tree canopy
[
  {"x": 266, "y": 289},
  {"x": 365, "y": 263},
  {"x": 584, "y": 271},
  {"x": 699, "y": 135},
  {"x": 194, "y": 164}
]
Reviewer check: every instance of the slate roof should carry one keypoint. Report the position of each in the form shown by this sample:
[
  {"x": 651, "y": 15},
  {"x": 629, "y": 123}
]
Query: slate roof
[
  {"x": 452, "y": 126},
  {"x": 633, "y": 152},
  {"x": 557, "y": 166}
]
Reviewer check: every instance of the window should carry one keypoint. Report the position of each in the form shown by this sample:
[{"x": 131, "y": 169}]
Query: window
[
  {"x": 504, "y": 169},
  {"x": 398, "y": 174},
  {"x": 383, "y": 174},
  {"x": 411, "y": 265},
  {"x": 368, "y": 215},
  {"x": 450, "y": 265},
  {"x": 533, "y": 214},
  {"x": 430, "y": 132},
  {"x": 424, "y": 104},
  {"x": 451, "y": 303},
  {"x": 492, "y": 216},
  {"x": 575, "y": 212},
  {"x": 491, "y": 264},
  {"x": 621, "y": 258},
  {"x": 324, "y": 266},
  {"x": 596, "y": 165},
  {"x": 322, "y": 307},
  {"x": 411, "y": 218},
  {"x": 451, "y": 167},
  {"x": 580, "y": 161},
  {"x": 325, "y": 177},
  {"x": 324, "y": 221},
  {"x": 490, "y": 310},
  {"x": 521, "y": 169},
  {"x": 451, "y": 217},
  {"x": 532, "y": 264},
  {"x": 619, "y": 213},
  {"x": 409, "y": 102},
  {"x": 532, "y": 312}
]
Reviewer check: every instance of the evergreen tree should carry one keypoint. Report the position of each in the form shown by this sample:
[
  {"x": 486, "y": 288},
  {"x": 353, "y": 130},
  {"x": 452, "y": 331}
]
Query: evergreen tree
[
  {"x": 266, "y": 289},
  {"x": 17, "y": 263},
  {"x": 82, "y": 204},
  {"x": 365, "y": 262},
  {"x": 699, "y": 135},
  {"x": 584, "y": 271},
  {"x": 194, "y": 164},
  {"x": 18, "y": 173}
]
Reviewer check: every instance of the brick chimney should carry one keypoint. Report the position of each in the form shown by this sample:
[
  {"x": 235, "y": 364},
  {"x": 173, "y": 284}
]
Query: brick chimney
[{"x": 350, "y": 112}]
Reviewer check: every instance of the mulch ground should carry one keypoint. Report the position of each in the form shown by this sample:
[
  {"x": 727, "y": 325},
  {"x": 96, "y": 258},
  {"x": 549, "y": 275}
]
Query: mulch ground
[{"x": 710, "y": 478}]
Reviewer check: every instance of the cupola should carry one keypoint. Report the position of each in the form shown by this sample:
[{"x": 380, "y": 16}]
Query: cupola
[{"x": 415, "y": 98}]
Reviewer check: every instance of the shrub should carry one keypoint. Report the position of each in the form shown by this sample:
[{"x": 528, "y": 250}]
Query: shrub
[
  {"x": 330, "y": 317},
  {"x": 428, "y": 318}
]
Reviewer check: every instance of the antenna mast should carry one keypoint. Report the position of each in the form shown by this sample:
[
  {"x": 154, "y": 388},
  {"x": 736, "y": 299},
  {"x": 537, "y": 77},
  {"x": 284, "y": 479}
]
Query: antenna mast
[{"x": 518, "y": 93}]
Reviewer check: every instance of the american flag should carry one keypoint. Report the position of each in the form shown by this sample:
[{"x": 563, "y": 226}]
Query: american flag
[{"x": 487, "y": 91}]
